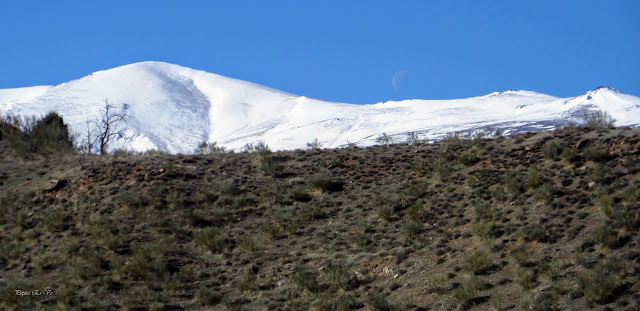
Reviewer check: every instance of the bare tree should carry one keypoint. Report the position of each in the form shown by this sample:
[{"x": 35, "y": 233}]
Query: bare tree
[
  {"x": 88, "y": 138},
  {"x": 108, "y": 126}
]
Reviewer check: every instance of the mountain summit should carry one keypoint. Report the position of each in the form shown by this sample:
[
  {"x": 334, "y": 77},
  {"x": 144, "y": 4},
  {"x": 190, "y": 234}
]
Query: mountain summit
[{"x": 174, "y": 108}]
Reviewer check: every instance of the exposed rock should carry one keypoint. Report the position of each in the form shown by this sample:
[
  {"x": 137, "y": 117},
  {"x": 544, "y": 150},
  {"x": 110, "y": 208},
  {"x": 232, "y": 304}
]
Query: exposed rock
[
  {"x": 55, "y": 184},
  {"x": 583, "y": 143}
]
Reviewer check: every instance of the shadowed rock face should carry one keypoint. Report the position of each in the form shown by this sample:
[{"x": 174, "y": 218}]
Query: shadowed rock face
[{"x": 55, "y": 185}]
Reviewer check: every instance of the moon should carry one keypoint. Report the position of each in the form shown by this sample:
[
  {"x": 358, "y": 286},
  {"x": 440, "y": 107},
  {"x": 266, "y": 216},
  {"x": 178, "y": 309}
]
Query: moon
[{"x": 398, "y": 79}]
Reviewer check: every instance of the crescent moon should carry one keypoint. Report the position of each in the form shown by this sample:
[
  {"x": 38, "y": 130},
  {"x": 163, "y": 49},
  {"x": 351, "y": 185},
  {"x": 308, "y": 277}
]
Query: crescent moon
[{"x": 398, "y": 79}]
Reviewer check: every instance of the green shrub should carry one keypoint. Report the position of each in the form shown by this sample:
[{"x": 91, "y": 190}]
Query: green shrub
[
  {"x": 346, "y": 303},
  {"x": 610, "y": 237},
  {"x": 211, "y": 239},
  {"x": 54, "y": 221},
  {"x": 248, "y": 281},
  {"x": 441, "y": 169},
  {"x": 598, "y": 286},
  {"x": 417, "y": 213},
  {"x": 310, "y": 212},
  {"x": 227, "y": 186},
  {"x": 534, "y": 232},
  {"x": 468, "y": 158},
  {"x": 512, "y": 182},
  {"x": 421, "y": 166},
  {"x": 570, "y": 154},
  {"x": 596, "y": 153},
  {"x": 322, "y": 181},
  {"x": 526, "y": 278},
  {"x": 543, "y": 301},
  {"x": 271, "y": 166},
  {"x": 341, "y": 276},
  {"x": 483, "y": 210},
  {"x": 386, "y": 212},
  {"x": 597, "y": 174},
  {"x": 207, "y": 296},
  {"x": 176, "y": 199},
  {"x": 452, "y": 140},
  {"x": 598, "y": 119},
  {"x": 300, "y": 194},
  {"x": 544, "y": 192},
  {"x": 147, "y": 263},
  {"x": 534, "y": 177},
  {"x": 476, "y": 263},
  {"x": 306, "y": 280},
  {"x": 486, "y": 229},
  {"x": 521, "y": 255},
  {"x": 388, "y": 203},
  {"x": 469, "y": 288},
  {"x": 89, "y": 264},
  {"x": 552, "y": 148},
  {"x": 40, "y": 136},
  {"x": 605, "y": 202},
  {"x": 414, "y": 191},
  {"x": 499, "y": 194},
  {"x": 271, "y": 229},
  {"x": 629, "y": 194},
  {"x": 134, "y": 199},
  {"x": 412, "y": 230},
  {"x": 472, "y": 180},
  {"x": 378, "y": 301}
]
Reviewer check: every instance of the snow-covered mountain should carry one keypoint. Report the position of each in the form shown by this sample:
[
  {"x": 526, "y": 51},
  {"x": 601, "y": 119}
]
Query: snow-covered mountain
[{"x": 173, "y": 108}]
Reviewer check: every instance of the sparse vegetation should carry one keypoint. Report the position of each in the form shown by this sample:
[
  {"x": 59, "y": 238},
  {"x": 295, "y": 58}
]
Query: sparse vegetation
[
  {"x": 468, "y": 289},
  {"x": 322, "y": 181},
  {"x": 315, "y": 144},
  {"x": 570, "y": 154},
  {"x": 384, "y": 139},
  {"x": 477, "y": 262},
  {"x": 601, "y": 284},
  {"x": 471, "y": 222},
  {"x": 552, "y": 148},
  {"x": 534, "y": 177},
  {"x": 209, "y": 148},
  {"x": 414, "y": 138},
  {"x": 596, "y": 153},
  {"x": 598, "y": 119},
  {"x": 106, "y": 127},
  {"x": 467, "y": 158}
]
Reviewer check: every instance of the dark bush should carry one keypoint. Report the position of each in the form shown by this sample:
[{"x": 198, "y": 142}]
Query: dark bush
[
  {"x": 323, "y": 181},
  {"x": 597, "y": 154},
  {"x": 40, "y": 136},
  {"x": 552, "y": 148}
]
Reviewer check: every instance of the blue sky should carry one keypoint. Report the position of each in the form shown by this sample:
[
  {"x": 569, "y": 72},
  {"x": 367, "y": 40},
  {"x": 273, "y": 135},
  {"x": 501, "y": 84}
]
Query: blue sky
[{"x": 344, "y": 51}]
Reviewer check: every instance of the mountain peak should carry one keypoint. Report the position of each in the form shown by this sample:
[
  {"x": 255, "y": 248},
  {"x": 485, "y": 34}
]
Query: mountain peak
[
  {"x": 174, "y": 108},
  {"x": 606, "y": 88}
]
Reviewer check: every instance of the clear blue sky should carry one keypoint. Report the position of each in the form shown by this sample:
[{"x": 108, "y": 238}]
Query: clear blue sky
[{"x": 344, "y": 51}]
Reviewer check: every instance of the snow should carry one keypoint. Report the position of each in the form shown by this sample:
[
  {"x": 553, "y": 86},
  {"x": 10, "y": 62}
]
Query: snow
[{"x": 174, "y": 108}]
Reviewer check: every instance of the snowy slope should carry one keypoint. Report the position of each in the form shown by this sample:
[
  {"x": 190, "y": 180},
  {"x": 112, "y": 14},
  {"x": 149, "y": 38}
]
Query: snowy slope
[{"x": 173, "y": 108}]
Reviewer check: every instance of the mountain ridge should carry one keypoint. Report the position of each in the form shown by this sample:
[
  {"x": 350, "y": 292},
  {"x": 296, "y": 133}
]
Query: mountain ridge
[{"x": 174, "y": 108}]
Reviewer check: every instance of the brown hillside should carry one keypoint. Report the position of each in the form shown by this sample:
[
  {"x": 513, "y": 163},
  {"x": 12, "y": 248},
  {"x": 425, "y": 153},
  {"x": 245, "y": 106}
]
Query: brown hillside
[{"x": 536, "y": 221}]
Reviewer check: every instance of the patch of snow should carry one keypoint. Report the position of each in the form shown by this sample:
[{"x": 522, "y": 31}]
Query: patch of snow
[{"x": 173, "y": 108}]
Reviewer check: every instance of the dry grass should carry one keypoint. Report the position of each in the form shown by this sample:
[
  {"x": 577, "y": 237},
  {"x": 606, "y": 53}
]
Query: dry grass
[{"x": 524, "y": 222}]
